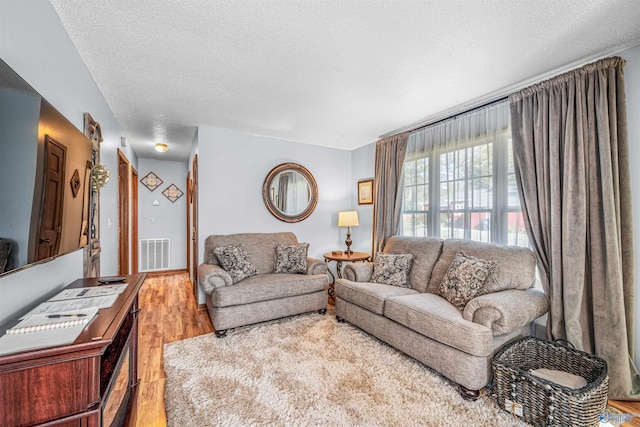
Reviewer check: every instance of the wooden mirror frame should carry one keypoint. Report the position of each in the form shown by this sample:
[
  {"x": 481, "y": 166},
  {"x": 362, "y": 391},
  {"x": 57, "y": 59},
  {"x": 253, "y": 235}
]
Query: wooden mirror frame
[{"x": 313, "y": 200}]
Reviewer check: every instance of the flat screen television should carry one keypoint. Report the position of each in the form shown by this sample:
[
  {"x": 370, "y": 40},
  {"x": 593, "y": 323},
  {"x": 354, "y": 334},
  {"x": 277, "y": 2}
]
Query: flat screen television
[{"x": 45, "y": 178}]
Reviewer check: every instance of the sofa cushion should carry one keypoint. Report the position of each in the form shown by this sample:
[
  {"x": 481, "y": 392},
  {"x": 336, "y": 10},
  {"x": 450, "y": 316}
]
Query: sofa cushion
[
  {"x": 465, "y": 278},
  {"x": 260, "y": 247},
  {"x": 515, "y": 266},
  {"x": 425, "y": 255},
  {"x": 392, "y": 269},
  {"x": 370, "y": 296},
  {"x": 433, "y": 316},
  {"x": 235, "y": 261},
  {"x": 291, "y": 259},
  {"x": 264, "y": 287}
]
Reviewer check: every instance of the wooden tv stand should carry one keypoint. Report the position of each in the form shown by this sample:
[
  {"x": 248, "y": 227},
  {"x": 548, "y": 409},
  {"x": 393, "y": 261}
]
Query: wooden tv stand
[{"x": 92, "y": 382}]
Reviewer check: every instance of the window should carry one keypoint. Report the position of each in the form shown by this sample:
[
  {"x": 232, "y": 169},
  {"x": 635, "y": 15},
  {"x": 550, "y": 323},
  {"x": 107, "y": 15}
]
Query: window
[{"x": 459, "y": 180}]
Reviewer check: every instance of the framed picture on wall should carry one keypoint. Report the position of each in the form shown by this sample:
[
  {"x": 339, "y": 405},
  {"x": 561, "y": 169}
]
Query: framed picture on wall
[{"x": 365, "y": 192}]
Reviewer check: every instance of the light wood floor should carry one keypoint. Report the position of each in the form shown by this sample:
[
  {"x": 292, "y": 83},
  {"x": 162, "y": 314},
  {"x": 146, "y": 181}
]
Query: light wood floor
[{"x": 168, "y": 312}]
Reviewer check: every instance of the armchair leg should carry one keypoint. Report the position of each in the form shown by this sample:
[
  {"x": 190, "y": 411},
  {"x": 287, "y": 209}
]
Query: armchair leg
[
  {"x": 467, "y": 394},
  {"x": 340, "y": 319},
  {"x": 221, "y": 334},
  {"x": 322, "y": 311}
]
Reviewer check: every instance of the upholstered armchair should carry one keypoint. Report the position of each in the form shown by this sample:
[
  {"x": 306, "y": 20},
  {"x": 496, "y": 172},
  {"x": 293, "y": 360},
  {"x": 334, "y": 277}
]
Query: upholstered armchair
[{"x": 255, "y": 277}]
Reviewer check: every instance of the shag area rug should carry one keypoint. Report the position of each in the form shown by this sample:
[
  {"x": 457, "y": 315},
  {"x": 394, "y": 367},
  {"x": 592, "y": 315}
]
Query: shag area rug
[{"x": 310, "y": 370}]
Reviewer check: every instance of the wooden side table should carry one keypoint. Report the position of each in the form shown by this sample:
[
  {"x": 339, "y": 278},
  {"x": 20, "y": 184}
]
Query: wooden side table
[{"x": 353, "y": 257}]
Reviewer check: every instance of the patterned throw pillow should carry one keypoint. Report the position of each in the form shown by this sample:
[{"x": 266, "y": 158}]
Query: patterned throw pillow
[
  {"x": 235, "y": 261},
  {"x": 465, "y": 278},
  {"x": 291, "y": 259},
  {"x": 392, "y": 269}
]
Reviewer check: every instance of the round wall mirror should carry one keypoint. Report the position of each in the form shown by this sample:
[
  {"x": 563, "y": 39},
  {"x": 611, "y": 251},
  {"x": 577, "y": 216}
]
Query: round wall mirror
[{"x": 290, "y": 192}]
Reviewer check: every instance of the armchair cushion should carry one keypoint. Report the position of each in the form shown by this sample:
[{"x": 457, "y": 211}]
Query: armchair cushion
[
  {"x": 371, "y": 296},
  {"x": 506, "y": 311},
  {"x": 265, "y": 287},
  {"x": 213, "y": 276},
  {"x": 291, "y": 259},
  {"x": 392, "y": 269},
  {"x": 465, "y": 279},
  {"x": 316, "y": 266},
  {"x": 358, "y": 271},
  {"x": 432, "y": 316},
  {"x": 516, "y": 266},
  {"x": 235, "y": 261}
]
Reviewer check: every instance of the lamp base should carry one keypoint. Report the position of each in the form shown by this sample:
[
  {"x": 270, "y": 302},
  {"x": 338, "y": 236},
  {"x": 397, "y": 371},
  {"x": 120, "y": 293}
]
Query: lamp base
[{"x": 348, "y": 242}]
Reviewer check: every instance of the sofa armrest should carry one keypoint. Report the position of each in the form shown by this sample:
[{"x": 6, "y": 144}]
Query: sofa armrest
[
  {"x": 213, "y": 276},
  {"x": 506, "y": 311},
  {"x": 358, "y": 271},
  {"x": 316, "y": 266}
]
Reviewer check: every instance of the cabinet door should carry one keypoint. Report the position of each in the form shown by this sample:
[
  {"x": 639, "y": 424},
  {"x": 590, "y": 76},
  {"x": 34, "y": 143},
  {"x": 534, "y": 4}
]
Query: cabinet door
[{"x": 48, "y": 392}]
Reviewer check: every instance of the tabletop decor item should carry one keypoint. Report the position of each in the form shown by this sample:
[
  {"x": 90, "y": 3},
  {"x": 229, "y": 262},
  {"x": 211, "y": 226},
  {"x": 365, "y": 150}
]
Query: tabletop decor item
[{"x": 348, "y": 219}]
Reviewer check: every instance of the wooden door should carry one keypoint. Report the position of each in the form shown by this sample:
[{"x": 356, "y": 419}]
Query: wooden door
[
  {"x": 123, "y": 213},
  {"x": 194, "y": 226},
  {"x": 134, "y": 221},
  {"x": 52, "y": 199},
  {"x": 188, "y": 235}
]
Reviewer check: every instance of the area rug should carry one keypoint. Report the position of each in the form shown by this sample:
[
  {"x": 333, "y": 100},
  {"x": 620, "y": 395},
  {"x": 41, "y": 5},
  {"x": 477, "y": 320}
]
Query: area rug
[{"x": 310, "y": 370}]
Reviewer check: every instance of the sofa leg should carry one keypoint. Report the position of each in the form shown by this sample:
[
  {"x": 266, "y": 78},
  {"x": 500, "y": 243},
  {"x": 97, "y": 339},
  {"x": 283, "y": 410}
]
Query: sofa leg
[
  {"x": 221, "y": 334},
  {"x": 467, "y": 394},
  {"x": 322, "y": 311},
  {"x": 340, "y": 319}
]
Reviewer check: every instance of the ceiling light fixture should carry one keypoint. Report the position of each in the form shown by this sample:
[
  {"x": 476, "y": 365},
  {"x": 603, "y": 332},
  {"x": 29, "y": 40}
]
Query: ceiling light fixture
[{"x": 161, "y": 148}]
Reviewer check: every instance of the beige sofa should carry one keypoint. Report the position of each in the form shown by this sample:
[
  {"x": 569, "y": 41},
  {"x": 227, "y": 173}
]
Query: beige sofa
[
  {"x": 419, "y": 322},
  {"x": 265, "y": 295}
]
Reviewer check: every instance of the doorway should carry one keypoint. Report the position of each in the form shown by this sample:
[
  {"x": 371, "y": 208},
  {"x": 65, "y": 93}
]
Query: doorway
[
  {"x": 194, "y": 227},
  {"x": 124, "y": 178},
  {"x": 134, "y": 221}
]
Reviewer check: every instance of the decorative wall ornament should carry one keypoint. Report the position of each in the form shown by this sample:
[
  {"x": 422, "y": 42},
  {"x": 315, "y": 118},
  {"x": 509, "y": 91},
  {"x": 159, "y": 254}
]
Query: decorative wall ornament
[
  {"x": 92, "y": 130},
  {"x": 151, "y": 181},
  {"x": 75, "y": 183},
  {"x": 365, "y": 192},
  {"x": 99, "y": 176},
  {"x": 172, "y": 193}
]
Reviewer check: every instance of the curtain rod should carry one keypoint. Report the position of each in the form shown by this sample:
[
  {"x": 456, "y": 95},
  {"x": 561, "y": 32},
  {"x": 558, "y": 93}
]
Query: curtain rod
[{"x": 502, "y": 93}]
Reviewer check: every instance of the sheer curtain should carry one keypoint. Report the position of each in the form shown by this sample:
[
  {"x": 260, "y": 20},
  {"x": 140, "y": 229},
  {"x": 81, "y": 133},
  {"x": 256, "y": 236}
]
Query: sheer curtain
[
  {"x": 572, "y": 164},
  {"x": 459, "y": 180}
]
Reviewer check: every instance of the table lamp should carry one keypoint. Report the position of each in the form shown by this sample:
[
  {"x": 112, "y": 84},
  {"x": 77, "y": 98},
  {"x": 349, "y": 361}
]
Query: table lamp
[{"x": 348, "y": 219}]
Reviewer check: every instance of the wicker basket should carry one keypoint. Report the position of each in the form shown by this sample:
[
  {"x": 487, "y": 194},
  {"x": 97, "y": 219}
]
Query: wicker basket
[{"x": 540, "y": 402}]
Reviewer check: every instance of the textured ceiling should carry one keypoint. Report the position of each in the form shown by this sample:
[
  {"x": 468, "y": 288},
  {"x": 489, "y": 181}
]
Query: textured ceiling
[{"x": 334, "y": 73}]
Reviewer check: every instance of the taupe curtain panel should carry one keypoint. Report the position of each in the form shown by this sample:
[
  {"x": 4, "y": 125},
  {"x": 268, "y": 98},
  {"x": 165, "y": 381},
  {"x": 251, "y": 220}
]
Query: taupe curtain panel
[
  {"x": 572, "y": 169},
  {"x": 387, "y": 198}
]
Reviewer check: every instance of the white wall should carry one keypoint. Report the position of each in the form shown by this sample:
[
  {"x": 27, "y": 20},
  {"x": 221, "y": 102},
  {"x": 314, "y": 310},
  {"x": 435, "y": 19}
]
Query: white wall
[
  {"x": 362, "y": 167},
  {"x": 632, "y": 88},
  {"x": 232, "y": 168},
  {"x": 168, "y": 219},
  {"x": 34, "y": 43}
]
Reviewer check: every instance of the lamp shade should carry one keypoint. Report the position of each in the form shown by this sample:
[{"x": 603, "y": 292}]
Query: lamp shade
[{"x": 348, "y": 219}]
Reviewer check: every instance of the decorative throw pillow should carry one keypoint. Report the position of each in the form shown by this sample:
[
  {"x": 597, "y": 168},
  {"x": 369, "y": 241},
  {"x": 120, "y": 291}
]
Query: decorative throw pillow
[
  {"x": 235, "y": 261},
  {"x": 392, "y": 269},
  {"x": 291, "y": 259},
  {"x": 465, "y": 278}
]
